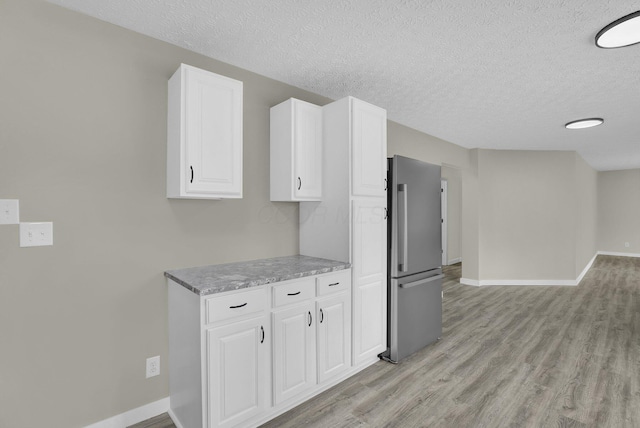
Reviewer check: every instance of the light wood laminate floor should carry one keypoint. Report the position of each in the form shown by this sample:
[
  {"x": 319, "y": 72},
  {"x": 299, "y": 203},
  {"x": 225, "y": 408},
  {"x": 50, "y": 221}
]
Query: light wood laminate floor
[{"x": 510, "y": 356}]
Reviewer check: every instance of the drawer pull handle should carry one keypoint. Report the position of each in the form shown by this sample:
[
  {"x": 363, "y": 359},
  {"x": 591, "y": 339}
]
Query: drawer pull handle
[
  {"x": 321, "y": 316},
  {"x": 293, "y": 294},
  {"x": 191, "y": 173},
  {"x": 237, "y": 306},
  {"x": 262, "y": 331},
  {"x": 310, "y": 318},
  {"x": 335, "y": 283}
]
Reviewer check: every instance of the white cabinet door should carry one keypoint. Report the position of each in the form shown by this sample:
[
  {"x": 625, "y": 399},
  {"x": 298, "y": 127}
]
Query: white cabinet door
[
  {"x": 369, "y": 278},
  {"x": 334, "y": 335},
  {"x": 307, "y": 151},
  {"x": 369, "y": 149},
  {"x": 238, "y": 371},
  {"x": 296, "y": 151},
  {"x": 294, "y": 351},
  {"x": 204, "y": 158}
]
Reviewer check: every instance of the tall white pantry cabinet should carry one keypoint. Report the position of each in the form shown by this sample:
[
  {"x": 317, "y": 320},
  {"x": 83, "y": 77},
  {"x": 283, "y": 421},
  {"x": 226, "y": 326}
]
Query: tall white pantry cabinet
[{"x": 349, "y": 224}]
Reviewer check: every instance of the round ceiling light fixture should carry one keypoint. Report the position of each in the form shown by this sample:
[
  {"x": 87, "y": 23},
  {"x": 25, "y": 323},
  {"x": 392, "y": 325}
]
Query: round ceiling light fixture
[
  {"x": 621, "y": 32},
  {"x": 584, "y": 123}
]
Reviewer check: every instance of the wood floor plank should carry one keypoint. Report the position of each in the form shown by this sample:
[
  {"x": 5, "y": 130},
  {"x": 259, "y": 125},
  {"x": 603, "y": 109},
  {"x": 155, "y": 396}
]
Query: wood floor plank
[
  {"x": 161, "y": 421},
  {"x": 510, "y": 356}
]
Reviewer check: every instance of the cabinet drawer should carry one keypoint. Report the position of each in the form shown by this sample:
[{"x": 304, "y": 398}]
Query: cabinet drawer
[
  {"x": 334, "y": 282},
  {"x": 293, "y": 292},
  {"x": 236, "y": 305}
]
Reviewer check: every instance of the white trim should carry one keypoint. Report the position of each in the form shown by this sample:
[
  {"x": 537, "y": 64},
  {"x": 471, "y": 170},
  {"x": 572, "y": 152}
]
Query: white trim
[
  {"x": 586, "y": 268},
  {"x": 174, "y": 419},
  {"x": 134, "y": 416},
  {"x": 613, "y": 253},
  {"x": 467, "y": 281},
  {"x": 529, "y": 282},
  {"x": 454, "y": 261}
]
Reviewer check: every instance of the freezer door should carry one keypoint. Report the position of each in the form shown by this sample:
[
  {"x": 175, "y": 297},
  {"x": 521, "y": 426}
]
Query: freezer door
[
  {"x": 415, "y": 219},
  {"x": 417, "y": 314}
]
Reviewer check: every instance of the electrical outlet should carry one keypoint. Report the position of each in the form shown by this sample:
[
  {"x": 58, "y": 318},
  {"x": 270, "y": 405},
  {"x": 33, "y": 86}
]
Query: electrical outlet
[
  {"x": 153, "y": 366},
  {"x": 36, "y": 234},
  {"x": 9, "y": 211},
  {"x": 626, "y": 244}
]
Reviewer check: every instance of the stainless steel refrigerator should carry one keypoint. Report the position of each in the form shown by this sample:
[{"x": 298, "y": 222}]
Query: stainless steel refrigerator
[{"x": 414, "y": 257}]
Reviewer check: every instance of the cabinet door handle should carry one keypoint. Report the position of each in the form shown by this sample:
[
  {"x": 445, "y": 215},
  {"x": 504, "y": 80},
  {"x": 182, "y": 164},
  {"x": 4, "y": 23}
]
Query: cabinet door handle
[
  {"x": 335, "y": 283},
  {"x": 293, "y": 294},
  {"x": 262, "y": 331},
  {"x": 321, "y": 316},
  {"x": 386, "y": 213},
  {"x": 299, "y": 183},
  {"x": 385, "y": 184},
  {"x": 310, "y": 318},
  {"x": 237, "y": 306},
  {"x": 191, "y": 173}
]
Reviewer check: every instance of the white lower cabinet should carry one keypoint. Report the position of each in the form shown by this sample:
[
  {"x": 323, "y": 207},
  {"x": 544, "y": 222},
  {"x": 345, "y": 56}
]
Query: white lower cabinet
[
  {"x": 311, "y": 340},
  {"x": 334, "y": 336},
  {"x": 238, "y": 371},
  {"x": 369, "y": 278},
  {"x": 294, "y": 351},
  {"x": 369, "y": 327},
  {"x": 240, "y": 358}
]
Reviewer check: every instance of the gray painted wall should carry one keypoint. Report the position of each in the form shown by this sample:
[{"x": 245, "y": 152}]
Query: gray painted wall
[
  {"x": 619, "y": 211},
  {"x": 83, "y": 144},
  {"x": 586, "y": 214},
  {"x": 527, "y": 211},
  {"x": 454, "y": 212},
  {"x": 537, "y": 215}
]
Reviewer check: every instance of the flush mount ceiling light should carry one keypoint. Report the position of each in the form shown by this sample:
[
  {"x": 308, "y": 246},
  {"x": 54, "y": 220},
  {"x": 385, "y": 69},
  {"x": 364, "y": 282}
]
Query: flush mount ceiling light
[
  {"x": 621, "y": 32},
  {"x": 584, "y": 123}
]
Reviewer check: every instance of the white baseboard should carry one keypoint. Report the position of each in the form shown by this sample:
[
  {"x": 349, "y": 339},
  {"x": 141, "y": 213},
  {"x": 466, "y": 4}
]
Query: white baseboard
[
  {"x": 134, "y": 416},
  {"x": 484, "y": 282},
  {"x": 529, "y": 282},
  {"x": 586, "y": 268},
  {"x": 467, "y": 281},
  {"x": 174, "y": 419},
  {"x": 612, "y": 253}
]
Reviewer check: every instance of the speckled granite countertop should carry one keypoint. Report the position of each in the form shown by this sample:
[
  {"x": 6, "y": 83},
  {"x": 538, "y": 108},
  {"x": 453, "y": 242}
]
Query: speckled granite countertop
[{"x": 214, "y": 279}]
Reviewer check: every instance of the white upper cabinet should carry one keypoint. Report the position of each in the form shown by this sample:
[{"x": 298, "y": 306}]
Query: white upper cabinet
[
  {"x": 369, "y": 149},
  {"x": 296, "y": 151},
  {"x": 204, "y": 133}
]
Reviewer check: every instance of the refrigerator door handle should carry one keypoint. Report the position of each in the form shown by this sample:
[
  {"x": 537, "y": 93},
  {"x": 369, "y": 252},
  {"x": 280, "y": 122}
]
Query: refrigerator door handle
[
  {"x": 403, "y": 189},
  {"x": 422, "y": 281}
]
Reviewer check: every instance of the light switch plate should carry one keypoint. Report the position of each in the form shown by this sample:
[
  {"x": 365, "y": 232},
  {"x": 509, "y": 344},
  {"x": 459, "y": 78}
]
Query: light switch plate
[
  {"x": 9, "y": 211},
  {"x": 36, "y": 234}
]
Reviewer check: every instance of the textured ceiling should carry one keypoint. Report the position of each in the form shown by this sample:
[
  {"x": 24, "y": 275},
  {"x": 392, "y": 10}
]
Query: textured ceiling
[{"x": 502, "y": 74}]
